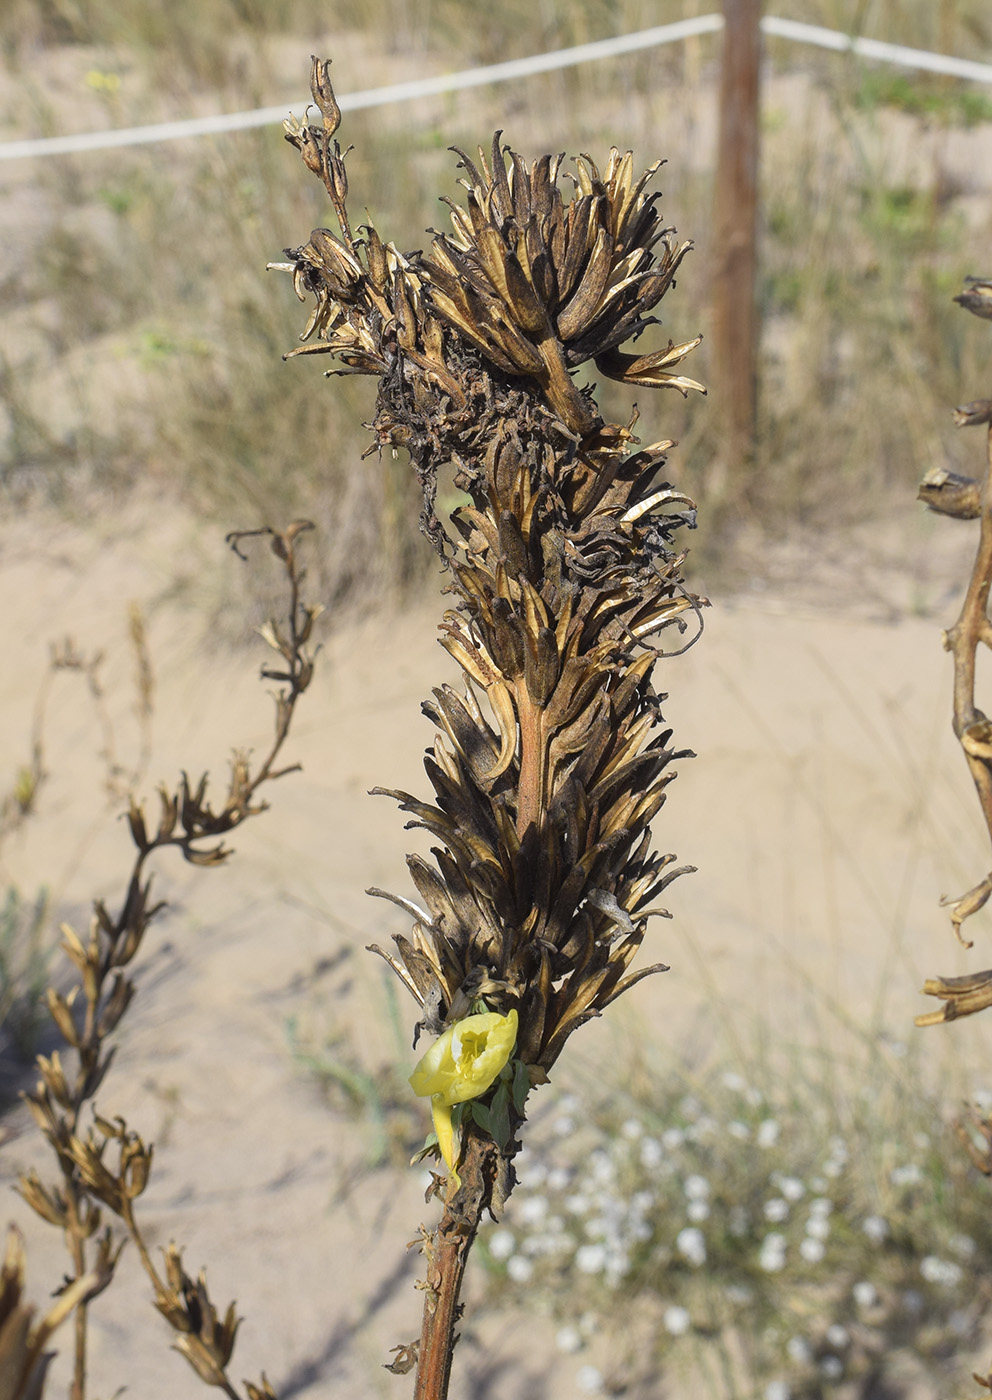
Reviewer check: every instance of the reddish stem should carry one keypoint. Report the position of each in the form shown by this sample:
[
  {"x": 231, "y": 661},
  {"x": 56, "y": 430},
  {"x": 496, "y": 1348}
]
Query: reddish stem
[{"x": 447, "y": 1251}]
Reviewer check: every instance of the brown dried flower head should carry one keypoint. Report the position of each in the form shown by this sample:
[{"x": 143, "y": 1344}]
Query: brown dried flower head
[
  {"x": 23, "y": 1358},
  {"x": 551, "y": 762}
]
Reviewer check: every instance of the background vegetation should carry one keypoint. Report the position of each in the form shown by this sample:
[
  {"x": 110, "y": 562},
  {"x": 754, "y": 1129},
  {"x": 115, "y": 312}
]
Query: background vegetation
[{"x": 143, "y": 339}]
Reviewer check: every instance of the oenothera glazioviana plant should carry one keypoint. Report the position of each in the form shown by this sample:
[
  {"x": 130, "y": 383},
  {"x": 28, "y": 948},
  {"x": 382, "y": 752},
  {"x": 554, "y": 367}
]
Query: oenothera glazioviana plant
[
  {"x": 551, "y": 761},
  {"x": 969, "y": 498},
  {"x": 102, "y": 1165}
]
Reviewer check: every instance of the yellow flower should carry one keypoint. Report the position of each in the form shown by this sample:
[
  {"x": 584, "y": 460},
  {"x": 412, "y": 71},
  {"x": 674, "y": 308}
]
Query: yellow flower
[
  {"x": 461, "y": 1065},
  {"x": 102, "y": 82}
]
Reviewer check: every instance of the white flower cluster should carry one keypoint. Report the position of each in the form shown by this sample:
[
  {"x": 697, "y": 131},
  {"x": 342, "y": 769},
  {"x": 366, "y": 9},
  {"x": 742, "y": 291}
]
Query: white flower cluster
[
  {"x": 750, "y": 1199},
  {"x": 943, "y": 1272}
]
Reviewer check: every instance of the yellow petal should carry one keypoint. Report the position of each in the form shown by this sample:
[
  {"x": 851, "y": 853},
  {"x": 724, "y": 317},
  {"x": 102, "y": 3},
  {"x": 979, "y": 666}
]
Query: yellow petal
[
  {"x": 467, "y": 1058},
  {"x": 441, "y": 1113}
]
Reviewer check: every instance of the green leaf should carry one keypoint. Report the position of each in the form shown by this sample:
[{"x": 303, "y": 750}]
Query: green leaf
[
  {"x": 499, "y": 1114},
  {"x": 430, "y": 1146},
  {"x": 521, "y": 1085},
  {"x": 482, "y": 1116}
]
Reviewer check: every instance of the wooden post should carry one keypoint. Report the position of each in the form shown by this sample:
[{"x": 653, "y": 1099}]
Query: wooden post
[{"x": 735, "y": 221}]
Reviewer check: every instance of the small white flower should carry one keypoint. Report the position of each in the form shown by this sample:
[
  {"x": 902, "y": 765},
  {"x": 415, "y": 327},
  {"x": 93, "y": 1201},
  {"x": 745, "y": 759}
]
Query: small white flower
[
  {"x": 672, "y": 1139},
  {"x": 777, "y": 1390},
  {"x": 697, "y": 1188},
  {"x": 963, "y": 1246},
  {"x": 676, "y": 1320},
  {"x": 876, "y": 1227},
  {"x": 691, "y": 1244},
  {"x": 577, "y": 1204},
  {"x": 812, "y": 1250},
  {"x": 519, "y": 1268},
  {"x": 818, "y": 1183},
  {"x": 771, "y": 1256},
  {"x": 817, "y": 1228},
  {"x": 532, "y": 1210},
  {"x": 602, "y": 1170},
  {"x": 739, "y": 1130},
  {"x": 690, "y": 1106},
  {"x": 502, "y": 1243},
  {"x": 707, "y": 1127},
  {"x": 776, "y": 1210},
  {"x": 590, "y": 1258},
  {"x": 908, "y": 1175},
  {"x": 865, "y": 1294},
  {"x": 558, "y": 1178},
  {"x": 798, "y": 1350},
  {"x": 589, "y": 1379},
  {"x": 568, "y": 1339},
  {"x": 791, "y": 1188},
  {"x": 652, "y": 1153},
  {"x": 739, "y": 1293},
  {"x": 731, "y": 1080},
  {"x": 698, "y": 1211},
  {"x": 832, "y": 1368},
  {"x": 632, "y": 1129},
  {"x": 642, "y": 1201},
  {"x": 768, "y": 1131},
  {"x": 943, "y": 1272},
  {"x": 821, "y": 1206},
  {"x": 564, "y": 1125},
  {"x": 832, "y": 1168},
  {"x": 838, "y": 1336},
  {"x": 532, "y": 1175},
  {"x": 838, "y": 1149}
]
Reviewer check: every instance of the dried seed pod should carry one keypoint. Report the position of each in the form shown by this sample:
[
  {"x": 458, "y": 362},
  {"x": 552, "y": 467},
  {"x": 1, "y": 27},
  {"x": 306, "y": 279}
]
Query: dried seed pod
[{"x": 564, "y": 571}]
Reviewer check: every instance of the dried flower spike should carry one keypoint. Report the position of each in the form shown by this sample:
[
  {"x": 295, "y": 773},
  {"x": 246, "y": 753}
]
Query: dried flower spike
[
  {"x": 968, "y": 499},
  {"x": 551, "y": 762}
]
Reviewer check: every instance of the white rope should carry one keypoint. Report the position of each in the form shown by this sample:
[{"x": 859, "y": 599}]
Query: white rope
[
  {"x": 371, "y": 97},
  {"x": 874, "y": 48},
  {"x": 498, "y": 73}
]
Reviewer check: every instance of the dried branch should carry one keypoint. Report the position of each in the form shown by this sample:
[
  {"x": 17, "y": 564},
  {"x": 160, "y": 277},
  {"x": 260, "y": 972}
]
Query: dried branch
[
  {"x": 90, "y": 1012},
  {"x": 968, "y": 499},
  {"x": 22, "y": 1341}
]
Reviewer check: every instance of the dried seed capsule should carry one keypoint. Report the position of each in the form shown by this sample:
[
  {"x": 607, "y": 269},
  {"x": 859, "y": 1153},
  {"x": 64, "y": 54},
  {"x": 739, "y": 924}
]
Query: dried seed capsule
[{"x": 541, "y": 667}]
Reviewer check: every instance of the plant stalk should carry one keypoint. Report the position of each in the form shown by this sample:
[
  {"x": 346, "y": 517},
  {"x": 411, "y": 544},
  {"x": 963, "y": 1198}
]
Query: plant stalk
[
  {"x": 447, "y": 1250},
  {"x": 964, "y": 638}
]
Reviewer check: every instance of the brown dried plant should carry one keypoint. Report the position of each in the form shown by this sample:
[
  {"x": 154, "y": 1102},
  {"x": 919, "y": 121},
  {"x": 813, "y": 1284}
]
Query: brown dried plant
[
  {"x": 552, "y": 761},
  {"x": 103, "y": 1165},
  {"x": 967, "y": 498}
]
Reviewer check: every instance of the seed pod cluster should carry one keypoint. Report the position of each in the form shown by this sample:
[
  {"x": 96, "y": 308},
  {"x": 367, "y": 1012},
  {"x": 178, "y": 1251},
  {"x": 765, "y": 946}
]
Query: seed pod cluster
[{"x": 552, "y": 760}]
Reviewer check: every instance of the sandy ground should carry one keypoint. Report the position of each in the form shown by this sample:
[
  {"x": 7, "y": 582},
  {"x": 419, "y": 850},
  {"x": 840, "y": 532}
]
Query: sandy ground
[{"x": 827, "y": 812}]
